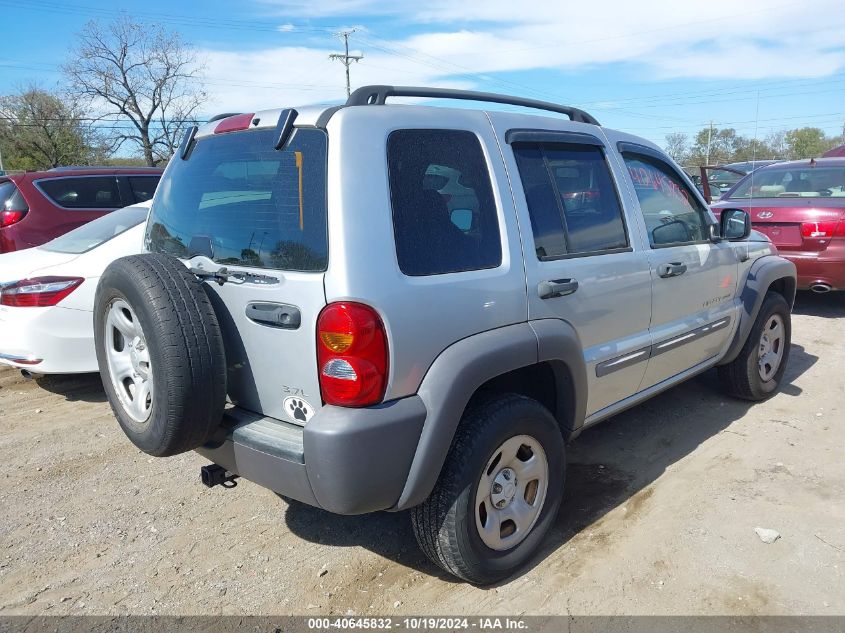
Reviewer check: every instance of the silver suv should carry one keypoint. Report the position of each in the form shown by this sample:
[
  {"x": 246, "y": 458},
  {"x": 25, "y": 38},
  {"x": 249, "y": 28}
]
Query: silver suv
[{"x": 388, "y": 307}]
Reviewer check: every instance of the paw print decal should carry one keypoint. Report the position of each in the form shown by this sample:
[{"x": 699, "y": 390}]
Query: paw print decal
[{"x": 298, "y": 409}]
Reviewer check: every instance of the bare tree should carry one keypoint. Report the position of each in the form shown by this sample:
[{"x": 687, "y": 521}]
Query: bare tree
[
  {"x": 42, "y": 130},
  {"x": 677, "y": 146},
  {"x": 140, "y": 74}
]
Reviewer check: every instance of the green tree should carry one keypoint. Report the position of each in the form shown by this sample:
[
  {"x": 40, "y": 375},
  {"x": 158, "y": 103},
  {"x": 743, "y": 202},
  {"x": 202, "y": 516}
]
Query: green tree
[
  {"x": 808, "y": 142},
  {"x": 722, "y": 144},
  {"x": 42, "y": 130}
]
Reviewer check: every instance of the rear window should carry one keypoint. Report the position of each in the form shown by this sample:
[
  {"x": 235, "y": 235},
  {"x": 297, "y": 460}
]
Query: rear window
[
  {"x": 82, "y": 192},
  {"x": 793, "y": 182},
  {"x": 444, "y": 214},
  {"x": 10, "y": 198},
  {"x": 98, "y": 232},
  {"x": 241, "y": 202},
  {"x": 143, "y": 187}
]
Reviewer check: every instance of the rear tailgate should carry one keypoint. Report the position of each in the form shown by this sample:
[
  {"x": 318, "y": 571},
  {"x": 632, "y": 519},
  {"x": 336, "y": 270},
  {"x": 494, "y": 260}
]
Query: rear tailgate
[{"x": 261, "y": 212}]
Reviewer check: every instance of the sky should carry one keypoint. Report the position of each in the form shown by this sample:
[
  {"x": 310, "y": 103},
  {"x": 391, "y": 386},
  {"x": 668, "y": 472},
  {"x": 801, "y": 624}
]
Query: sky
[{"x": 649, "y": 67}]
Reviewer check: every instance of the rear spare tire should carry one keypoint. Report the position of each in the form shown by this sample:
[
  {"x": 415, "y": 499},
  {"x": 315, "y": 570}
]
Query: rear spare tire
[{"x": 160, "y": 353}]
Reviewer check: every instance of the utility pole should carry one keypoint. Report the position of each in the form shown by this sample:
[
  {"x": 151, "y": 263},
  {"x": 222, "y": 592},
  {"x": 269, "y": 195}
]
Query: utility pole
[
  {"x": 345, "y": 58},
  {"x": 709, "y": 139}
]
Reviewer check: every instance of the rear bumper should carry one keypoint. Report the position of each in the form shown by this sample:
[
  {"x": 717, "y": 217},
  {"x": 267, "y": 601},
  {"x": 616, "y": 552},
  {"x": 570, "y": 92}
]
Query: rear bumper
[
  {"x": 825, "y": 267},
  {"x": 52, "y": 340},
  {"x": 346, "y": 461}
]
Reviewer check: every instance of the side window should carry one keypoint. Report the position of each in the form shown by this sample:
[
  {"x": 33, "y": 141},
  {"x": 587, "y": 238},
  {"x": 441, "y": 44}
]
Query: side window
[
  {"x": 672, "y": 213},
  {"x": 85, "y": 192},
  {"x": 444, "y": 213},
  {"x": 571, "y": 199},
  {"x": 143, "y": 187}
]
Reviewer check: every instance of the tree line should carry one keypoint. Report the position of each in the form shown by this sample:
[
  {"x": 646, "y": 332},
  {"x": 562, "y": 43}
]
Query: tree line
[
  {"x": 717, "y": 146},
  {"x": 123, "y": 86}
]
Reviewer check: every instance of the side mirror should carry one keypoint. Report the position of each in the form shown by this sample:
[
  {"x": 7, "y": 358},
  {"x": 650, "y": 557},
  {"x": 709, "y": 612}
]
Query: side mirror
[
  {"x": 462, "y": 218},
  {"x": 735, "y": 225}
]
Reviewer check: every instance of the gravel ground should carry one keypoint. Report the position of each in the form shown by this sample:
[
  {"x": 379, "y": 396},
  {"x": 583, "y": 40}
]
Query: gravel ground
[{"x": 660, "y": 514}]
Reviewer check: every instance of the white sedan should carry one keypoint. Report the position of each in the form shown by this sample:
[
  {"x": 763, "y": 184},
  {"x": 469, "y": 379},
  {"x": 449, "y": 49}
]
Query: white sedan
[{"x": 47, "y": 293}]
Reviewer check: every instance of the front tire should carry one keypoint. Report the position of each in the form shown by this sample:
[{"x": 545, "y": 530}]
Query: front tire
[
  {"x": 756, "y": 373},
  {"x": 498, "y": 493}
]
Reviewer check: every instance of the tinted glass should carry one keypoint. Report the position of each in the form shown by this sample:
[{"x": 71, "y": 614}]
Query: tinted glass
[
  {"x": 99, "y": 231},
  {"x": 10, "y": 198},
  {"x": 444, "y": 214},
  {"x": 571, "y": 199},
  {"x": 84, "y": 192},
  {"x": 239, "y": 201},
  {"x": 672, "y": 213},
  {"x": 793, "y": 182},
  {"x": 143, "y": 187}
]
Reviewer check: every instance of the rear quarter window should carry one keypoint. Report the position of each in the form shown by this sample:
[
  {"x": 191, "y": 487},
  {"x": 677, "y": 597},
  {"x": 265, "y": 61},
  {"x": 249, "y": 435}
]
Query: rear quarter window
[
  {"x": 239, "y": 201},
  {"x": 83, "y": 192},
  {"x": 142, "y": 187},
  {"x": 444, "y": 212}
]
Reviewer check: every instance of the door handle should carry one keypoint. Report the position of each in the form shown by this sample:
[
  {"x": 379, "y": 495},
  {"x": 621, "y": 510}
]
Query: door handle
[
  {"x": 556, "y": 288},
  {"x": 672, "y": 269}
]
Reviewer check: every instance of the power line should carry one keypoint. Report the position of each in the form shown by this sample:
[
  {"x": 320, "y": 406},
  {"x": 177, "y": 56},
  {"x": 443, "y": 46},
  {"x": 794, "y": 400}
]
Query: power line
[{"x": 345, "y": 58}]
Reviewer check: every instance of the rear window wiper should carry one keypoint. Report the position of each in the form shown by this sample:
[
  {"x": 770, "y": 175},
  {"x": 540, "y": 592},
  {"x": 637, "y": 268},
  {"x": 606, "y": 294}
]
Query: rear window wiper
[{"x": 206, "y": 269}]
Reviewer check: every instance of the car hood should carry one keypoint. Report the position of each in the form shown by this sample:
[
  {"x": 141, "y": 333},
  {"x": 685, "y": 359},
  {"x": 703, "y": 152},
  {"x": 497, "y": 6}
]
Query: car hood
[{"x": 29, "y": 262}]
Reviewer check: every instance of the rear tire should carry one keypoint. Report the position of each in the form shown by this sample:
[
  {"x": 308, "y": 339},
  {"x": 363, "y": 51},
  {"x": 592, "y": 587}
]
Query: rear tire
[
  {"x": 460, "y": 526},
  {"x": 160, "y": 353},
  {"x": 755, "y": 374}
]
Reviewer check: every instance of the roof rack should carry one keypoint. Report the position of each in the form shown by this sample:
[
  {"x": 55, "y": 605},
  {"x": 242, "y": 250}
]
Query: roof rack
[{"x": 377, "y": 95}]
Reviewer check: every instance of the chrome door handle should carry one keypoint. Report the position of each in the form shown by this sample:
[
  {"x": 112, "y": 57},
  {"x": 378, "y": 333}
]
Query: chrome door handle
[
  {"x": 672, "y": 269},
  {"x": 556, "y": 288}
]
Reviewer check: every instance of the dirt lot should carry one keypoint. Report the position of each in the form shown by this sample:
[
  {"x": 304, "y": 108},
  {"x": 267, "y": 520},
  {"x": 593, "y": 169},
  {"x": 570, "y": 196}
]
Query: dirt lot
[{"x": 659, "y": 517}]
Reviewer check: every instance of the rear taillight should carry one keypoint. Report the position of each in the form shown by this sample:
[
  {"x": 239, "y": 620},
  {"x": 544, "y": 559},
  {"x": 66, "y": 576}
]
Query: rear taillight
[
  {"x": 351, "y": 355},
  {"x": 819, "y": 230},
  {"x": 13, "y": 207},
  {"x": 840, "y": 229},
  {"x": 8, "y": 218},
  {"x": 39, "y": 292}
]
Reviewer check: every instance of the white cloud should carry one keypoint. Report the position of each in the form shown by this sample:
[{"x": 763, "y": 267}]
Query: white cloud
[{"x": 461, "y": 43}]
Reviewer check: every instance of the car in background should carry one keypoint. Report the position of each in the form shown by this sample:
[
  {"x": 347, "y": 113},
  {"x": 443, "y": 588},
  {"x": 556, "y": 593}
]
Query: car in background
[
  {"x": 37, "y": 206},
  {"x": 836, "y": 152},
  {"x": 715, "y": 181},
  {"x": 47, "y": 293},
  {"x": 800, "y": 206}
]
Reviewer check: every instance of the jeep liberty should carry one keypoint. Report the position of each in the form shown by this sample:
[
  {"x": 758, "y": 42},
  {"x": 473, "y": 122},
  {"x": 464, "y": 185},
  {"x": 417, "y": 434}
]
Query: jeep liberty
[{"x": 387, "y": 307}]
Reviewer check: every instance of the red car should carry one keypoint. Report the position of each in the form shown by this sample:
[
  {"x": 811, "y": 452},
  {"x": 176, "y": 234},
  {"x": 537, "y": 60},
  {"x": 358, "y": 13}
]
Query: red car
[
  {"x": 37, "y": 206},
  {"x": 800, "y": 206}
]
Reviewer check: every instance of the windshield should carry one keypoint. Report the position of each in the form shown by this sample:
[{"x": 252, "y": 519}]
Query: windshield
[
  {"x": 98, "y": 231},
  {"x": 239, "y": 201},
  {"x": 793, "y": 182}
]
